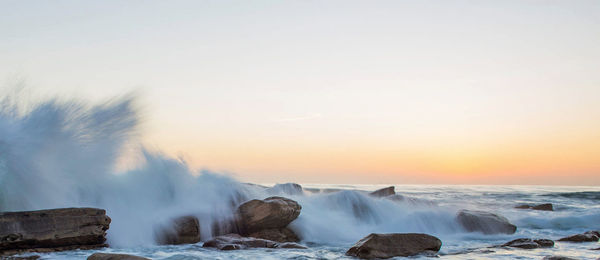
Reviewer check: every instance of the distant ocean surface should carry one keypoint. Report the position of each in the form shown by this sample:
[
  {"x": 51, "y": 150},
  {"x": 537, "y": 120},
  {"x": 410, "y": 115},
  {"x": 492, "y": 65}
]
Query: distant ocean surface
[{"x": 328, "y": 226}]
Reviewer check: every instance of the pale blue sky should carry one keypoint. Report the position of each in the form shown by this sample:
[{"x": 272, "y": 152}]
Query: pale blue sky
[{"x": 224, "y": 80}]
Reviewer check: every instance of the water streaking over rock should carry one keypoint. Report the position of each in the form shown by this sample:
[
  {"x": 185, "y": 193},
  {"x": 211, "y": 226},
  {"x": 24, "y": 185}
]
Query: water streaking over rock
[{"x": 62, "y": 154}]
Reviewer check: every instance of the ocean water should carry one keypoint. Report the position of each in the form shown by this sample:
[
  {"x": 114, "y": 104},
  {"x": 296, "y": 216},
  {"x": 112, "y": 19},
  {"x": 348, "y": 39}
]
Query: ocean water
[{"x": 65, "y": 153}]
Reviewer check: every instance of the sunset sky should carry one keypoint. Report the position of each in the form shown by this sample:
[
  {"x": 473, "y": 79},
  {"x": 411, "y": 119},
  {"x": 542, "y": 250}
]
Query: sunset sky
[{"x": 405, "y": 92}]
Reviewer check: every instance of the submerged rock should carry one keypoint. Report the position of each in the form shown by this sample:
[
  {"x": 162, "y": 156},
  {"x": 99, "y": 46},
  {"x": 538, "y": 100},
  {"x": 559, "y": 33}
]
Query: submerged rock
[
  {"x": 270, "y": 213},
  {"x": 53, "y": 229},
  {"x": 485, "y": 222},
  {"x": 182, "y": 230},
  {"x": 558, "y": 257},
  {"x": 388, "y": 191},
  {"x": 236, "y": 242},
  {"x": 410, "y": 200},
  {"x": 590, "y": 236},
  {"x": 278, "y": 235},
  {"x": 392, "y": 245},
  {"x": 545, "y": 206},
  {"x": 528, "y": 243},
  {"x": 286, "y": 188},
  {"x": 105, "y": 256},
  {"x": 291, "y": 245}
]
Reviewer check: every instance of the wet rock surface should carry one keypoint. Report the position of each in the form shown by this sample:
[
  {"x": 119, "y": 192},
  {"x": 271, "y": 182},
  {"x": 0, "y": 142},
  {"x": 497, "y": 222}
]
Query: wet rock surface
[
  {"x": 545, "y": 207},
  {"x": 558, "y": 257},
  {"x": 53, "y": 230},
  {"x": 236, "y": 242},
  {"x": 270, "y": 213},
  {"x": 485, "y": 222},
  {"x": 182, "y": 230},
  {"x": 590, "y": 236},
  {"x": 395, "y": 244},
  {"x": 278, "y": 235},
  {"x": 387, "y": 191},
  {"x": 528, "y": 243}
]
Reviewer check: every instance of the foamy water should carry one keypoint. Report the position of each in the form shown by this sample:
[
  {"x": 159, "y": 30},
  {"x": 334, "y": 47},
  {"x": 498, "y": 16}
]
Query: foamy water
[{"x": 63, "y": 154}]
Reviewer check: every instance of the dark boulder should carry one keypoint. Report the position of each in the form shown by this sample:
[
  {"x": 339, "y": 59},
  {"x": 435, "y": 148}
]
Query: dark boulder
[
  {"x": 528, "y": 243},
  {"x": 392, "y": 245},
  {"x": 388, "y": 191},
  {"x": 270, "y": 213},
  {"x": 236, "y": 242},
  {"x": 545, "y": 206},
  {"x": 544, "y": 242},
  {"x": 53, "y": 229},
  {"x": 182, "y": 230},
  {"x": 105, "y": 256},
  {"x": 278, "y": 235},
  {"x": 590, "y": 236},
  {"x": 485, "y": 222}
]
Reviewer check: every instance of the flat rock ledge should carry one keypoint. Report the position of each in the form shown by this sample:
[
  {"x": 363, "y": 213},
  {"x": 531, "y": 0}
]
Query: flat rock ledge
[
  {"x": 106, "y": 256},
  {"x": 590, "y": 236},
  {"x": 545, "y": 207},
  {"x": 236, "y": 242},
  {"x": 52, "y": 230},
  {"x": 485, "y": 222},
  {"x": 395, "y": 244},
  {"x": 528, "y": 243}
]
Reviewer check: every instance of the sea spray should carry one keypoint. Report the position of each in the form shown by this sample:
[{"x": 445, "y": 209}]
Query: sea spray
[{"x": 64, "y": 154}]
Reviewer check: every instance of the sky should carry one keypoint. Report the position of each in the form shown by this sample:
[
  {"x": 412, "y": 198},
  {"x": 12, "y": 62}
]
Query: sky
[{"x": 404, "y": 92}]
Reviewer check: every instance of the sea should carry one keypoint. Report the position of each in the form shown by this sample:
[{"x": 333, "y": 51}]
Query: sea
[{"x": 64, "y": 153}]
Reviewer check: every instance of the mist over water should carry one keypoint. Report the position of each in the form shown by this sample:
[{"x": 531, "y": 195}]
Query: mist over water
[{"x": 64, "y": 153}]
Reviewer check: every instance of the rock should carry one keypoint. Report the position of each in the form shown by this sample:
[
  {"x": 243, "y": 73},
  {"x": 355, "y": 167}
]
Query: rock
[
  {"x": 278, "y": 235},
  {"x": 105, "y": 256},
  {"x": 388, "y": 191},
  {"x": 286, "y": 188},
  {"x": 270, "y": 213},
  {"x": 392, "y": 245},
  {"x": 223, "y": 227},
  {"x": 31, "y": 257},
  {"x": 182, "y": 230},
  {"x": 291, "y": 246},
  {"x": 236, "y": 242},
  {"x": 590, "y": 236},
  {"x": 10, "y": 252},
  {"x": 528, "y": 243},
  {"x": 53, "y": 229},
  {"x": 485, "y": 222},
  {"x": 558, "y": 257},
  {"x": 546, "y": 207},
  {"x": 409, "y": 200},
  {"x": 544, "y": 242}
]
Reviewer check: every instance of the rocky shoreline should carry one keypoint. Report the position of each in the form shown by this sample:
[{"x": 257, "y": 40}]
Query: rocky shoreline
[{"x": 256, "y": 224}]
